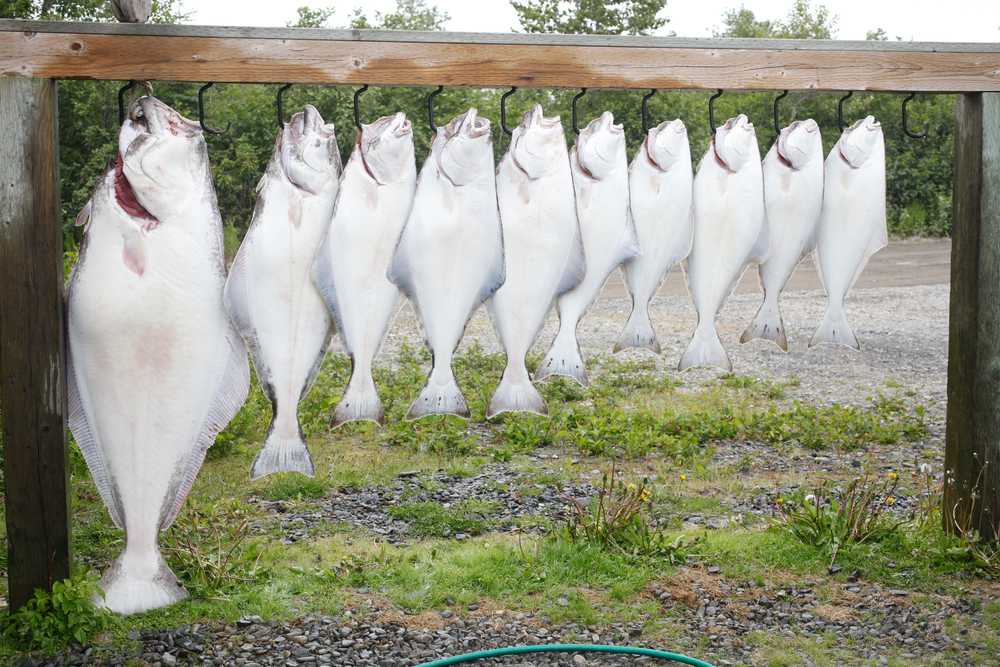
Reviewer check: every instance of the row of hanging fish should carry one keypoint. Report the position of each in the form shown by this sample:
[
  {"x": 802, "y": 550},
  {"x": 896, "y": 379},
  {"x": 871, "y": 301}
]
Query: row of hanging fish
[{"x": 159, "y": 335}]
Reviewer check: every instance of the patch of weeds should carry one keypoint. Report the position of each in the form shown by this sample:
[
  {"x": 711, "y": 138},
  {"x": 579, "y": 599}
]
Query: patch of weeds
[
  {"x": 50, "y": 621},
  {"x": 618, "y": 520},
  {"x": 210, "y": 548},
  {"x": 439, "y": 434},
  {"x": 560, "y": 390},
  {"x": 830, "y": 520},
  {"x": 293, "y": 486},
  {"x": 982, "y": 552},
  {"x": 525, "y": 433},
  {"x": 316, "y": 408},
  {"x": 621, "y": 378},
  {"x": 765, "y": 388},
  {"x": 431, "y": 519}
]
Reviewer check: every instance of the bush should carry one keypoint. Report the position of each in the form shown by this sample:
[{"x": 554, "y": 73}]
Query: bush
[{"x": 51, "y": 621}]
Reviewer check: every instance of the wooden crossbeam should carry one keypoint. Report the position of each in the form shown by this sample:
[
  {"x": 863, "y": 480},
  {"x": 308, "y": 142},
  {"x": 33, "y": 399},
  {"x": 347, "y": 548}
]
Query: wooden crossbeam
[{"x": 310, "y": 56}]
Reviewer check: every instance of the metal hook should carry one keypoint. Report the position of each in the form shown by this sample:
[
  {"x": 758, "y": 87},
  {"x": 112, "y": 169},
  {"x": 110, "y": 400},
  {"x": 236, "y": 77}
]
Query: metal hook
[
  {"x": 357, "y": 105},
  {"x": 430, "y": 108},
  {"x": 280, "y": 104},
  {"x": 645, "y": 110},
  {"x": 201, "y": 112},
  {"x": 777, "y": 116},
  {"x": 121, "y": 100},
  {"x": 576, "y": 98},
  {"x": 840, "y": 109},
  {"x": 711, "y": 111},
  {"x": 503, "y": 111},
  {"x": 906, "y": 126}
]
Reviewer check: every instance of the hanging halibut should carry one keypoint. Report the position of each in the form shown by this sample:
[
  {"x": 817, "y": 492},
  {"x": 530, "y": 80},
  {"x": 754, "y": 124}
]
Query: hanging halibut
[
  {"x": 376, "y": 194},
  {"x": 659, "y": 184},
  {"x": 852, "y": 222},
  {"x": 269, "y": 294},
  {"x": 793, "y": 195},
  {"x": 600, "y": 180},
  {"x": 450, "y": 255},
  {"x": 156, "y": 370},
  {"x": 544, "y": 254},
  {"x": 730, "y": 232}
]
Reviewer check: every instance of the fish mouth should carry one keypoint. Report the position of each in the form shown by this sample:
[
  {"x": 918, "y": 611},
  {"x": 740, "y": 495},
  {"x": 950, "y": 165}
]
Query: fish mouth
[
  {"x": 137, "y": 129},
  {"x": 396, "y": 125}
]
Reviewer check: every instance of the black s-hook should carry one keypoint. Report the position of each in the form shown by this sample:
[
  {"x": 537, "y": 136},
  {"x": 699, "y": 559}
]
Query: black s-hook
[
  {"x": 122, "y": 92},
  {"x": 576, "y": 98},
  {"x": 280, "y": 104},
  {"x": 645, "y": 110},
  {"x": 777, "y": 115},
  {"x": 430, "y": 108},
  {"x": 906, "y": 125},
  {"x": 711, "y": 112},
  {"x": 357, "y": 105},
  {"x": 201, "y": 112},
  {"x": 503, "y": 111},
  {"x": 840, "y": 109}
]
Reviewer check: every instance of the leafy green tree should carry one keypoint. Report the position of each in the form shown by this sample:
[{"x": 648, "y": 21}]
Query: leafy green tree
[
  {"x": 591, "y": 17},
  {"x": 312, "y": 18},
  {"x": 802, "y": 22}
]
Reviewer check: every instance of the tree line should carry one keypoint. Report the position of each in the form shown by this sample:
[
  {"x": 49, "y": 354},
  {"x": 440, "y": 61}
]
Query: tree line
[{"x": 919, "y": 172}]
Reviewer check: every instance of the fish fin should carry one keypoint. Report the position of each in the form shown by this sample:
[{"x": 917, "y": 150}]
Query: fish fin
[
  {"x": 563, "y": 358},
  {"x": 83, "y": 217},
  {"x": 282, "y": 454},
  {"x": 767, "y": 325},
  {"x": 438, "y": 398},
  {"x": 516, "y": 395},
  {"x": 705, "y": 349},
  {"x": 230, "y": 394},
  {"x": 359, "y": 403},
  {"x": 835, "y": 330},
  {"x": 576, "y": 264},
  {"x": 638, "y": 332},
  {"x": 130, "y": 586},
  {"x": 86, "y": 440},
  {"x": 134, "y": 253}
]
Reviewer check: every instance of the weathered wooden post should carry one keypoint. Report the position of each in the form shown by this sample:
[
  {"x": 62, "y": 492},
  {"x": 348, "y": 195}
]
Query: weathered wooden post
[
  {"x": 972, "y": 458},
  {"x": 32, "y": 368}
]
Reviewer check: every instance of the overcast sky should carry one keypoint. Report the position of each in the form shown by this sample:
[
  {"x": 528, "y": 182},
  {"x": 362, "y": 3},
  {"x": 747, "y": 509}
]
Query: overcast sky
[{"x": 923, "y": 20}]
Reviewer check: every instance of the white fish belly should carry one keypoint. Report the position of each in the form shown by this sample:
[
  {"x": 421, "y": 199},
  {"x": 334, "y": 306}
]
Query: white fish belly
[
  {"x": 539, "y": 232},
  {"x": 792, "y": 200},
  {"x": 289, "y": 324},
  {"x": 148, "y": 357},
  {"x": 661, "y": 211}
]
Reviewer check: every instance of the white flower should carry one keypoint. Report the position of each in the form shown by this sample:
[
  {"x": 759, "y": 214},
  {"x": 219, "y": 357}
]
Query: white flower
[
  {"x": 925, "y": 469},
  {"x": 810, "y": 498}
]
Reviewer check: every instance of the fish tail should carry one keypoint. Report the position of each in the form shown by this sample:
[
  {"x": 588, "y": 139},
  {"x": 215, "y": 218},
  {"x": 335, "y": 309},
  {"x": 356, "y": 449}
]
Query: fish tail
[
  {"x": 564, "y": 357},
  {"x": 834, "y": 329},
  {"x": 360, "y": 401},
  {"x": 767, "y": 325},
  {"x": 638, "y": 332},
  {"x": 283, "y": 453},
  {"x": 440, "y": 396},
  {"x": 139, "y": 581},
  {"x": 705, "y": 349},
  {"x": 516, "y": 393}
]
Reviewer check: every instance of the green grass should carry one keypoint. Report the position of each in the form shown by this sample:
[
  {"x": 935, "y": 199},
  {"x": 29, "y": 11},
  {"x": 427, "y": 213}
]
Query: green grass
[{"x": 432, "y": 519}]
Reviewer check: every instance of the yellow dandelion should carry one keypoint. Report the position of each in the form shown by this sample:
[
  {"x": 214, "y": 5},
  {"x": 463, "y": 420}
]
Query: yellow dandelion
[
  {"x": 893, "y": 474},
  {"x": 890, "y": 500},
  {"x": 683, "y": 477},
  {"x": 780, "y": 501}
]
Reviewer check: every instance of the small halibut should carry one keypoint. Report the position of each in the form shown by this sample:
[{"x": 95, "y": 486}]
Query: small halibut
[
  {"x": 155, "y": 368},
  {"x": 600, "y": 181},
  {"x": 544, "y": 253},
  {"x": 269, "y": 294},
  {"x": 376, "y": 194},
  {"x": 852, "y": 224},
  {"x": 660, "y": 180},
  {"x": 793, "y": 196},
  {"x": 450, "y": 255},
  {"x": 730, "y": 232}
]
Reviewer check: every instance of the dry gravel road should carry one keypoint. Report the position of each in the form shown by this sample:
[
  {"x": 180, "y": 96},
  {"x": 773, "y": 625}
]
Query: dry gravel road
[{"x": 898, "y": 308}]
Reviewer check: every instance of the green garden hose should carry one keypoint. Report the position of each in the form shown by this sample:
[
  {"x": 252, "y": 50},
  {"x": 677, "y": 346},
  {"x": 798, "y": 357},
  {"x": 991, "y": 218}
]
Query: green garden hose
[{"x": 566, "y": 648}]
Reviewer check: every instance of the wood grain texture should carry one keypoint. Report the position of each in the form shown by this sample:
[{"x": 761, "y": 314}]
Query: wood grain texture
[
  {"x": 192, "y": 53},
  {"x": 972, "y": 456},
  {"x": 32, "y": 384}
]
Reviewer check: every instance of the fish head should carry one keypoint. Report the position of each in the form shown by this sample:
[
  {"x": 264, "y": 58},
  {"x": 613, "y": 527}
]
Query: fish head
[
  {"x": 308, "y": 150},
  {"x": 667, "y": 143},
  {"x": 736, "y": 142},
  {"x": 600, "y": 148},
  {"x": 162, "y": 160},
  {"x": 800, "y": 142},
  {"x": 386, "y": 148},
  {"x": 466, "y": 151},
  {"x": 860, "y": 140},
  {"x": 537, "y": 143}
]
